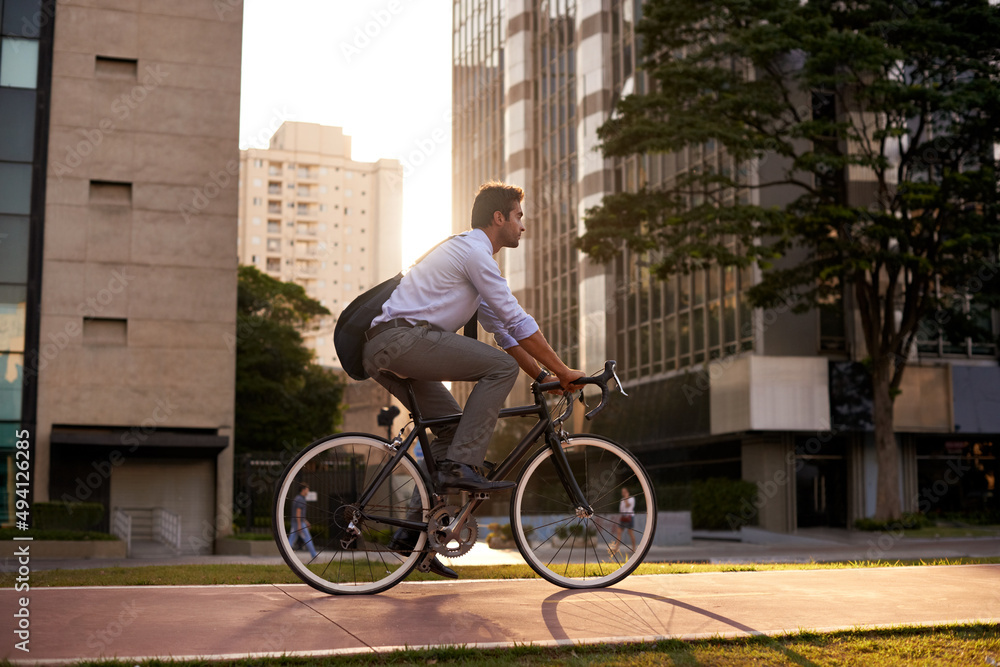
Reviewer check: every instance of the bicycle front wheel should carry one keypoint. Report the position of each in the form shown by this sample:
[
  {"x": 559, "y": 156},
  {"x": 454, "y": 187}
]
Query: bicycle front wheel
[
  {"x": 351, "y": 544},
  {"x": 561, "y": 542}
]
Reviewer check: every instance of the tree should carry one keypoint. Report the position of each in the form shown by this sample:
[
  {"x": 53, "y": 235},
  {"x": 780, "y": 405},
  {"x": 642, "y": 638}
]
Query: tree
[
  {"x": 283, "y": 398},
  {"x": 811, "y": 97}
]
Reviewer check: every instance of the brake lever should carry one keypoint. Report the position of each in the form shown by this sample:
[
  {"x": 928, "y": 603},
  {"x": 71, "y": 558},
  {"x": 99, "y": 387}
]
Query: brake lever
[{"x": 619, "y": 382}]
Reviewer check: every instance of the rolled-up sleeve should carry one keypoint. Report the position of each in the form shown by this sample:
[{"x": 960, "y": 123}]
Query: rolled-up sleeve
[{"x": 499, "y": 312}]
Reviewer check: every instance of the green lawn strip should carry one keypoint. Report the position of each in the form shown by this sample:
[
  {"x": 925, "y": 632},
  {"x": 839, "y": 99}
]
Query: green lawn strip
[
  {"x": 933, "y": 532},
  {"x": 969, "y": 644},
  {"x": 232, "y": 574}
]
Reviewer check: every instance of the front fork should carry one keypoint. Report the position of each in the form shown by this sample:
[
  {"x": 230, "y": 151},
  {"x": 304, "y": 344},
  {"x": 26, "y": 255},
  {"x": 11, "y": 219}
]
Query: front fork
[{"x": 566, "y": 476}]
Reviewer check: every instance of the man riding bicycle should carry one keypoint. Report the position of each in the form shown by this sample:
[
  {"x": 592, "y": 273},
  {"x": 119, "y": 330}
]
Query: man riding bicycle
[{"x": 414, "y": 338}]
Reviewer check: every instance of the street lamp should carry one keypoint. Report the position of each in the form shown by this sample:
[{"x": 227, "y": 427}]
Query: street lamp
[{"x": 386, "y": 417}]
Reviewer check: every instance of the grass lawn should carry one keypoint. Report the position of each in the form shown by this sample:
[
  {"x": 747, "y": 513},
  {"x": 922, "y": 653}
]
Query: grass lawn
[
  {"x": 952, "y": 532},
  {"x": 976, "y": 644}
]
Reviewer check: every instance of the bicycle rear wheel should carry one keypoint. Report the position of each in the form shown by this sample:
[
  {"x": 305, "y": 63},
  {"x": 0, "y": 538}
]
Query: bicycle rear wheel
[
  {"x": 563, "y": 545},
  {"x": 338, "y": 469}
]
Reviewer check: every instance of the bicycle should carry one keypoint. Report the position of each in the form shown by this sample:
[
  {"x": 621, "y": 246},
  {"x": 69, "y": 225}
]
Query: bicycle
[{"x": 563, "y": 510}]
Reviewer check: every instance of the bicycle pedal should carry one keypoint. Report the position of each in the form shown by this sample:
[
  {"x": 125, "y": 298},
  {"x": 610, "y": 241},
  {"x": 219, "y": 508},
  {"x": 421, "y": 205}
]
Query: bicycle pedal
[
  {"x": 424, "y": 565},
  {"x": 477, "y": 495}
]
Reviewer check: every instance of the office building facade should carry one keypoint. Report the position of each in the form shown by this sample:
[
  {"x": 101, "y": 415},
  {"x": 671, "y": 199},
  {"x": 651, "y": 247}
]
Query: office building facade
[
  {"x": 717, "y": 388},
  {"x": 119, "y": 153}
]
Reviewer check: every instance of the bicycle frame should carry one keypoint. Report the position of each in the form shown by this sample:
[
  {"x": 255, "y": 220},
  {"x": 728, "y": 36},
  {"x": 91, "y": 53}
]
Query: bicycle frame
[{"x": 544, "y": 425}]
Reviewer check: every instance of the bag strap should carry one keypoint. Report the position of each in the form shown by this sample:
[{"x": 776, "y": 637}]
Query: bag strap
[
  {"x": 471, "y": 328},
  {"x": 435, "y": 247}
]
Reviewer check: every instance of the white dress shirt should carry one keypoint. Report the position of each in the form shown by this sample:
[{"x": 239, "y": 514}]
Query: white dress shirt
[{"x": 451, "y": 283}]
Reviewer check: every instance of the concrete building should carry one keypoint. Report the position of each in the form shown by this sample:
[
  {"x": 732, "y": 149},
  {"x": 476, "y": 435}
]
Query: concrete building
[
  {"x": 312, "y": 215},
  {"x": 119, "y": 130},
  {"x": 717, "y": 388}
]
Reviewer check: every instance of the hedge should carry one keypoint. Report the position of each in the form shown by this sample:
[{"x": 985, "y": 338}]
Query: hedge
[
  {"x": 66, "y": 516},
  {"x": 716, "y": 502}
]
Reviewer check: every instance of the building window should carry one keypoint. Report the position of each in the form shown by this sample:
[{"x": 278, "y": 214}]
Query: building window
[
  {"x": 932, "y": 336},
  {"x": 19, "y": 63},
  {"x": 273, "y": 245}
]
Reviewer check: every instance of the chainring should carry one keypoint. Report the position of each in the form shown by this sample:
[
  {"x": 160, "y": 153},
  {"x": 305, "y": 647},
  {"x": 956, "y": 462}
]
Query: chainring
[{"x": 438, "y": 521}]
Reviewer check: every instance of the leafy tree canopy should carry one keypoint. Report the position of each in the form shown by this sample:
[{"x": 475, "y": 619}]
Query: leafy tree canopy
[
  {"x": 283, "y": 398},
  {"x": 863, "y": 139}
]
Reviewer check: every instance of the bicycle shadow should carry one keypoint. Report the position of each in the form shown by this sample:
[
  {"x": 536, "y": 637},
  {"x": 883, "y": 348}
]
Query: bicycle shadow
[{"x": 637, "y": 616}]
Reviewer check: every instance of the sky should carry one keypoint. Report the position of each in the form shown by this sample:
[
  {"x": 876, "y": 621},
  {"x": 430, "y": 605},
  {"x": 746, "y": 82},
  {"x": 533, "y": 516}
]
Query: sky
[{"x": 380, "y": 69}]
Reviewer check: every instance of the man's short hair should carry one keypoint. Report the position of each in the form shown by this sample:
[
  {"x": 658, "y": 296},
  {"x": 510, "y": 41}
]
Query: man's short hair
[
  {"x": 303, "y": 487},
  {"x": 494, "y": 196}
]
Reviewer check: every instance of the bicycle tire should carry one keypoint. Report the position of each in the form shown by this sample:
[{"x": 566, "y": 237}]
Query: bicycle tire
[
  {"x": 338, "y": 468},
  {"x": 573, "y": 551}
]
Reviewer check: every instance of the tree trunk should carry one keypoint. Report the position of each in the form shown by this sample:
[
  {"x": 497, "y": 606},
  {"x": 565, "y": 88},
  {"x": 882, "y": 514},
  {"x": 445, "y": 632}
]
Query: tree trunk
[{"x": 887, "y": 503}]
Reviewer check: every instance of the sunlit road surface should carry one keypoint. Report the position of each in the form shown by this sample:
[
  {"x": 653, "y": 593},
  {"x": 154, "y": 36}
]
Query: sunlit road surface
[{"x": 139, "y": 622}]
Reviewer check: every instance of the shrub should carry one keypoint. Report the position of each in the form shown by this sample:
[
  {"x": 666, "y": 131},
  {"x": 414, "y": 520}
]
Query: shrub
[
  {"x": 503, "y": 532},
  {"x": 911, "y": 521},
  {"x": 715, "y": 501},
  {"x": 673, "y": 497},
  {"x": 73, "y": 535},
  {"x": 67, "y": 516}
]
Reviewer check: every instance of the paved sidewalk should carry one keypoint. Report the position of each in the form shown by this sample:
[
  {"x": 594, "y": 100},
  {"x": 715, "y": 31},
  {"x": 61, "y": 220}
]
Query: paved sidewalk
[{"x": 216, "y": 622}]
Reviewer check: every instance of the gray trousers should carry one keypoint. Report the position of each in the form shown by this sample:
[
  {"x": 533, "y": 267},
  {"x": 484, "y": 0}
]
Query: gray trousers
[{"x": 429, "y": 358}]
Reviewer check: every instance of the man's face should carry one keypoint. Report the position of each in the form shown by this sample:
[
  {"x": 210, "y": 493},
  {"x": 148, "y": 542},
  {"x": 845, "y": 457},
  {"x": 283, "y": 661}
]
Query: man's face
[{"x": 510, "y": 233}]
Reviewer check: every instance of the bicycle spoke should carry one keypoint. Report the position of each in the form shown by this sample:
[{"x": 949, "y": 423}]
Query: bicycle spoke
[
  {"x": 565, "y": 547},
  {"x": 339, "y": 469}
]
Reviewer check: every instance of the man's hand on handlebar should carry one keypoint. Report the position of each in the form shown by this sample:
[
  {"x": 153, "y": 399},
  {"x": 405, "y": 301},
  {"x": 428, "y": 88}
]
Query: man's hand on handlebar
[
  {"x": 576, "y": 381},
  {"x": 566, "y": 380}
]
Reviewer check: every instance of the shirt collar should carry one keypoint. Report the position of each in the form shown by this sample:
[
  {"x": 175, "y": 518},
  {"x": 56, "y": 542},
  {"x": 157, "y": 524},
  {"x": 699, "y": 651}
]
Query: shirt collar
[{"x": 479, "y": 236}]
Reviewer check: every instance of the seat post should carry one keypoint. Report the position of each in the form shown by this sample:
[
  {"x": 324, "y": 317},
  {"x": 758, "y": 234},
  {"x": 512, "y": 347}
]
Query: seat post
[{"x": 418, "y": 425}]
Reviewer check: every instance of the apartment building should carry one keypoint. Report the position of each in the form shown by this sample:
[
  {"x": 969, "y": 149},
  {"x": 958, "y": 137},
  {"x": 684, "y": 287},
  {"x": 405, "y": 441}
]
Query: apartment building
[
  {"x": 310, "y": 214},
  {"x": 717, "y": 388},
  {"x": 119, "y": 130}
]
